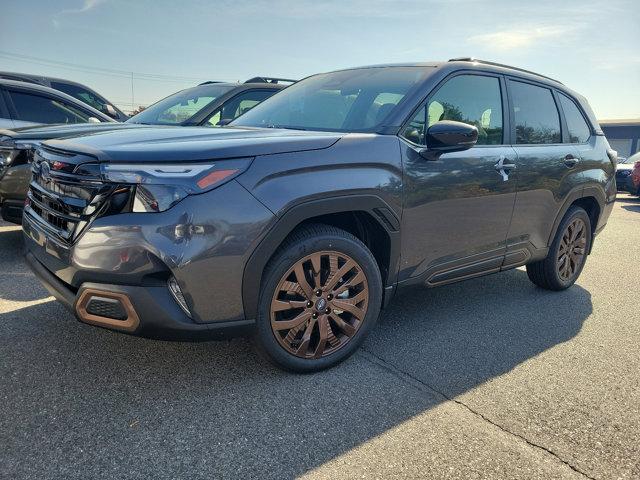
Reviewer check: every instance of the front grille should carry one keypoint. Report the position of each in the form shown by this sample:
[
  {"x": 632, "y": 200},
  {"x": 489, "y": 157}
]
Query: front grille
[{"x": 62, "y": 197}]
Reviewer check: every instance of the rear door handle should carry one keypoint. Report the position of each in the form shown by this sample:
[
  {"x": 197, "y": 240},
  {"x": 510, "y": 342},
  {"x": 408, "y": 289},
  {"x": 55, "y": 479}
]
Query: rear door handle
[
  {"x": 503, "y": 167},
  {"x": 570, "y": 161}
]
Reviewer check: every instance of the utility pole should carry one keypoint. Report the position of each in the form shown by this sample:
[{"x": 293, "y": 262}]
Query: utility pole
[{"x": 133, "y": 105}]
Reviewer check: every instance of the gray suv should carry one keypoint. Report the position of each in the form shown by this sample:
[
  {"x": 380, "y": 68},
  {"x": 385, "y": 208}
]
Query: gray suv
[{"x": 298, "y": 222}]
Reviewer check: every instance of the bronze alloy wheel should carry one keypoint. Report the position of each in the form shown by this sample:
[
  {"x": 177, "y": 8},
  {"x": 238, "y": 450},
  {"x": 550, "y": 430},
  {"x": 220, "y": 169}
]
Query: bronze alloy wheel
[
  {"x": 572, "y": 250},
  {"x": 319, "y": 304}
]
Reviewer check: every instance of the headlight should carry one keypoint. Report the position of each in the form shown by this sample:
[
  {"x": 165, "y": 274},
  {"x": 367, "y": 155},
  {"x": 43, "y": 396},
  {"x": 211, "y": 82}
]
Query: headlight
[
  {"x": 158, "y": 187},
  {"x": 6, "y": 156}
]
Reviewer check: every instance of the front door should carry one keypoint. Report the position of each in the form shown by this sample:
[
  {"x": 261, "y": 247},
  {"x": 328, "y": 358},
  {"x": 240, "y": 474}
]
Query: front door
[{"x": 457, "y": 209}]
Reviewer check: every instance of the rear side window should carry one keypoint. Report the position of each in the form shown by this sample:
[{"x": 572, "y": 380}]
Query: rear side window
[
  {"x": 81, "y": 94},
  {"x": 39, "y": 109},
  {"x": 535, "y": 114},
  {"x": 579, "y": 131}
]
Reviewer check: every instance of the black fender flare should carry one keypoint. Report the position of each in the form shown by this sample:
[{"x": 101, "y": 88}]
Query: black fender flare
[
  {"x": 297, "y": 214},
  {"x": 577, "y": 194}
]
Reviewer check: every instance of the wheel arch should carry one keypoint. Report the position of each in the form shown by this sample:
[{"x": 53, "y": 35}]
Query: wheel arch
[
  {"x": 592, "y": 199},
  {"x": 367, "y": 217}
]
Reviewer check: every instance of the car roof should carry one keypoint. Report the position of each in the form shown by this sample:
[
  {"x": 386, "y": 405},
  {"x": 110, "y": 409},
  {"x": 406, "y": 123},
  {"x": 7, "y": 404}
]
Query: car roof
[
  {"x": 268, "y": 85},
  {"x": 466, "y": 62},
  {"x": 233, "y": 87},
  {"x": 53, "y": 92},
  {"x": 38, "y": 78}
]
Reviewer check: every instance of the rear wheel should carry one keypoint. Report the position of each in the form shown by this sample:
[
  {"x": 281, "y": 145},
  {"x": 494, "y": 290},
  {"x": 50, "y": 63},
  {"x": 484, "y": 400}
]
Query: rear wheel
[
  {"x": 567, "y": 254},
  {"x": 320, "y": 297}
]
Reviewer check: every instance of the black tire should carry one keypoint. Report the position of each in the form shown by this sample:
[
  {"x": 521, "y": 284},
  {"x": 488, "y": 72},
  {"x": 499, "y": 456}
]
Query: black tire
[
  {"x": 308, "y": 241},
  {"x": 546, "y": 273}
]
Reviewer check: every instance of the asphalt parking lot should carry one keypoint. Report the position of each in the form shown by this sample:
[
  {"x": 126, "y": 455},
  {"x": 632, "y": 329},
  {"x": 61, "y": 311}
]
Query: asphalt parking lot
[{"x": 490, "y": 378}]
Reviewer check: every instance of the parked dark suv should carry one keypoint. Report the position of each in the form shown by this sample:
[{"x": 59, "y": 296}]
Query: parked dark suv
[
  {"x": 298, "y": 222},
  {"x": 74, "y": 89},
  {"x": 210, "y": 104}
]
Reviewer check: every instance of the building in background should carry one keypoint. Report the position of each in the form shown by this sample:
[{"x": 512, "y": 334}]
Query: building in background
[{"x": 623, "y": 135}]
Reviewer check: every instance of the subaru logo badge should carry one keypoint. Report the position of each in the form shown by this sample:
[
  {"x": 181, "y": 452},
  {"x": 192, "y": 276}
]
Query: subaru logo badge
[
  {"x": 321, "y": 304},
  {"x": 45, "y": 171}
]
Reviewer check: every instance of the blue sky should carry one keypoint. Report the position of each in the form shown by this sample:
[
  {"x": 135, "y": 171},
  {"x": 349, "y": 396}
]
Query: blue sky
[{"x": 593, "y": 47}]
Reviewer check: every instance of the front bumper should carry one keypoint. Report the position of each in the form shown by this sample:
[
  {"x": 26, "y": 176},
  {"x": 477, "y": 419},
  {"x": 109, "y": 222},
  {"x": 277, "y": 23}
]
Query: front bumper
[
  {"x": 204, "y": 242},
  {"x": 157, "y": 315}
]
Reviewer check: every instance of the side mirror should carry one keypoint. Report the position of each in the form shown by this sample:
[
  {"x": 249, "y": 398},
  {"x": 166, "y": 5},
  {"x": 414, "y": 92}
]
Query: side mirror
[
  {"x": 224, "y": 121},
  {"x": 110, "y": 110},
  {"x": 449, "y": 136}
]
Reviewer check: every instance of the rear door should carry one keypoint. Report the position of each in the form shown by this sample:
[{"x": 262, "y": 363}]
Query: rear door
[
  {"x": 548, "y": 168},
  {"x": 458, "y": 208}
]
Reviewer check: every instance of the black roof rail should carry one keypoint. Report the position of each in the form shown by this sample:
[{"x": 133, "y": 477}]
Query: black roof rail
[
  {"x": 269, "y": 80},
  {"x": 486, "y": 62},
  {"x": 209, "y": 82}
]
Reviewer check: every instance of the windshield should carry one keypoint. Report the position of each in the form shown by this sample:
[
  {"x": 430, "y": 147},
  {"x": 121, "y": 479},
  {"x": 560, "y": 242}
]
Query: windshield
[
  {"x": 178, "y": 108},
  {"x": 347, "y": 101}
]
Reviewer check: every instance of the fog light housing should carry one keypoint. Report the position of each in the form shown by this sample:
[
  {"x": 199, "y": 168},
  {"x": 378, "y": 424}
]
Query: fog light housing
[{"x": 174, "y": 288}]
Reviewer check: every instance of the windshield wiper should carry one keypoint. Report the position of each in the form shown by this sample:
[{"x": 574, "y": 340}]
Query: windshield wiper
[{"x": 286, "y": 127}]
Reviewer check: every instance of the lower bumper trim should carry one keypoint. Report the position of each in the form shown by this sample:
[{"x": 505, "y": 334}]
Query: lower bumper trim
[
  {"x": 153, "y": 311},
  {"x": 128, "y": 324}
]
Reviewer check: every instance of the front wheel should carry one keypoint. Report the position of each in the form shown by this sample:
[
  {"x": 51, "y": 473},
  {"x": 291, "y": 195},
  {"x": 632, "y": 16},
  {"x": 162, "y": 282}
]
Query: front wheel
[
  {"x": 567, "y": 254},
  {"x": 320, "y": 297}
]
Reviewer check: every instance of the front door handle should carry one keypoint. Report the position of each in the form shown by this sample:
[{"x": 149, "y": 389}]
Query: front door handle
[
  {"x": 503, "y": 167},
  {"x": 570, "y": 161}
]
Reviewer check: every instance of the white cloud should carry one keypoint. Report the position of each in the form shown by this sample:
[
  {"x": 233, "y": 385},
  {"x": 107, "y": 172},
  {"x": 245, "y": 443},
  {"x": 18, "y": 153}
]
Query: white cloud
[
  {"x": 86, "y": 6},
  {"x": 520, "y": 37}
]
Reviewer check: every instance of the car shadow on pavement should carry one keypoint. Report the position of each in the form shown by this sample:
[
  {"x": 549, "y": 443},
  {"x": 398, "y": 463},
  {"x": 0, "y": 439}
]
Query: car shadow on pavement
[
  {"x": 627, "y": 198},
  {"x": 632, "y": 208},
  {"x": 80, "y": 400}
]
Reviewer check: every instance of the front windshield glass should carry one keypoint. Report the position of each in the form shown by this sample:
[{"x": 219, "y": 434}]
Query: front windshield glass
[
  {"x": 178, "y": 108},
  {"x": 347, "y": 101}
]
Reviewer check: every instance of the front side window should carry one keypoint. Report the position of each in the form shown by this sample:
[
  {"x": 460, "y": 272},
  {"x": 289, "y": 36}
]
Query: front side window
[
  {"x": 357, "y": 100},
  {"x": 535, "y": 114},
  {"x": 238, "y": 105},
  {"x": 579, "y": 131},
  {"x": 178, "y": 108},
  {"x": 472, "y": 99},
  {"x": 416, "y": 129},
  {"x": 40, "y": 109}
]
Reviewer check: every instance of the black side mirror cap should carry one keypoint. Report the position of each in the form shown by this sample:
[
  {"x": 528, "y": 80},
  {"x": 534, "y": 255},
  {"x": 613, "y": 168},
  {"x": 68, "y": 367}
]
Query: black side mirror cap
[{"x": 449, "y": 136}]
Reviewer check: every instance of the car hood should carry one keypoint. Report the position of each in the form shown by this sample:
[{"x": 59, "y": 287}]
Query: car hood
[
  {"x": 160, "y": 144},
  {"x": 38, "y": 133}
]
